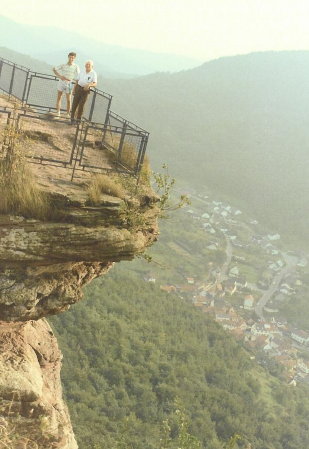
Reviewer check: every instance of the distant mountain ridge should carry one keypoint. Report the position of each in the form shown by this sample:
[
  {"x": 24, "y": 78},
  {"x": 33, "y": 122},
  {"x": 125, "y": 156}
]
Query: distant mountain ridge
[
  {"x": 52, "y": 45},
  {"x": 238, "y": 125},
  {"x": 25, "y": 60}
]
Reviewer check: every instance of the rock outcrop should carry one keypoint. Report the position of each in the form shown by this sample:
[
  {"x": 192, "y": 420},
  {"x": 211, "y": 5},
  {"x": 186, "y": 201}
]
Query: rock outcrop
[
  {"x": 32, "y": 410},
  {"x": 43, "y": 266}
]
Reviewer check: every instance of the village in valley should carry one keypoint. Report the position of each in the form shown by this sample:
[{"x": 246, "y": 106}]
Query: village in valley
[{"x": 246, "y": 278}]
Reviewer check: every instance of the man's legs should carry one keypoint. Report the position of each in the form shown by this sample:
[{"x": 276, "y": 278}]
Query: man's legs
[
  {"x": 58, "y": 103},
  {"x": 68, "y": 96},
  {"x": 81, "y": 104},
  {"x": 76, "y": 101}
]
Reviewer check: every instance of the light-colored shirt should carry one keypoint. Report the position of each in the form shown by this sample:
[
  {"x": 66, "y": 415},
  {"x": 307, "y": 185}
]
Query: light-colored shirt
[
  {"x": 68, "y": 71},
  {"x": 87, "y": 77}
]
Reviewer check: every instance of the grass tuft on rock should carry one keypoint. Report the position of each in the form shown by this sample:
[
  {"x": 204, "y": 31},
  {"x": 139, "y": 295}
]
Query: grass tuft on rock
[
  {"x": 104, "y": 184},
  {"x": 20, "y": 194}
]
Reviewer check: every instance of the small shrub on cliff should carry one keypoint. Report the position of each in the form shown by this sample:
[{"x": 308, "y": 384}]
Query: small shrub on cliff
[
  {"x": 19, "y": 191},
  {"x": 164, "y": 184}
]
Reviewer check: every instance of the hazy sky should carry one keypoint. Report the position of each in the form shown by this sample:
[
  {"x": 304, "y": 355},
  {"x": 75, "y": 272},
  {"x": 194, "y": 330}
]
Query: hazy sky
[{"x": 203, "y": 29}]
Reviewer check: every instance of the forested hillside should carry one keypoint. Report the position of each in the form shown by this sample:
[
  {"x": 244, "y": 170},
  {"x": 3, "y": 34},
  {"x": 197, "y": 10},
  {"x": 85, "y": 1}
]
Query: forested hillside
[
  {"x": 238, "y": 125},
  {"x": 131, "y": 351}
]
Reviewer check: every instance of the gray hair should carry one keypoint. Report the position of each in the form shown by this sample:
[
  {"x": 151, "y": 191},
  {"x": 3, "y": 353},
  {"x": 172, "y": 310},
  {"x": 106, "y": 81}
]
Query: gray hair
[{"x": 90, "y": 62}]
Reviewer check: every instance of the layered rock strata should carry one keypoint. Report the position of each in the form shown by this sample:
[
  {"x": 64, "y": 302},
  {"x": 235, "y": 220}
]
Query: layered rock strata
[
  {"x": 33, "y": 413},
  {"x": 43, "y": 266}
]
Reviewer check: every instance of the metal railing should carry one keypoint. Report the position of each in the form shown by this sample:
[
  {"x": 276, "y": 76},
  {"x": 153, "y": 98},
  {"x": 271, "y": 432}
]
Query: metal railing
[{"x": 100, "y": 128}]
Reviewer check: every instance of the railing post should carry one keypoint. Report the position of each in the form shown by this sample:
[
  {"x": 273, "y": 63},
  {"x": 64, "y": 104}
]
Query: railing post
[
  {"x": 107, "y": 112},
  {"x": 25, "y": 87},
  {"x": 29, "y": 78},
  {"x": 106, "y": 124},
  {"x": 12, "y": 80},
  {"x": 141, "y": 154},
  {"x": 1, "y": 64},
  {"x": 92, "y": 105},
  {"x": 107, "y": 120},
  {"x": 123, "y": 135}
]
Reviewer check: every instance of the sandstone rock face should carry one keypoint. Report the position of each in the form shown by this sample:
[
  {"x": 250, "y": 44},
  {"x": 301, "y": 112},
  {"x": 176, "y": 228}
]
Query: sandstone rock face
[
  {"x": 43, "y": 266},
  {"x": 32, "y": 410}
]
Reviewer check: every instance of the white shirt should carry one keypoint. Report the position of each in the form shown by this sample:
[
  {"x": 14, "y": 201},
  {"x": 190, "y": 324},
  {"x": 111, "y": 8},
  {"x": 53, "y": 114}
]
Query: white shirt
[
  {"x": 87, "y": 77},
  {"x": 68, "y": 71}
]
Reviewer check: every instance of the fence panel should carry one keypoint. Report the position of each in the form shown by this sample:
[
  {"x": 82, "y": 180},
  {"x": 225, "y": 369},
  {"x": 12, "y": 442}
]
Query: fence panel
[
  {"x": 93, "y": 154},
  {"x": 104, "y": 141},
  {"x": 42, "y": 91},
  {"x": 129, "y": 153},
  {"x": 6, "y": 76},
  {"x": 19, "y": 83},
  {"x": 101, "y": 108},
  {"x": 116, "y": 120},
  {"x": 50, "y": 141}
]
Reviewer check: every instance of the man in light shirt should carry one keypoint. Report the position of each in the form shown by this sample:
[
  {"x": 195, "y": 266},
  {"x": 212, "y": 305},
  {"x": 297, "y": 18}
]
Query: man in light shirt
[
  {"x": 66, "y": 74},
  {"x": 86, "y": 79}
]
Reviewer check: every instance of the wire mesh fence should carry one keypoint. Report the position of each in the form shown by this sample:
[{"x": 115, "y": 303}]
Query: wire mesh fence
[
  {"x": 19, "y": 83},
  {"x": 6, "y": 76},
  {"x": 101, "y": 141},
  {"x": 41, "y": 91},
  {"x": 47, "y": 141}
]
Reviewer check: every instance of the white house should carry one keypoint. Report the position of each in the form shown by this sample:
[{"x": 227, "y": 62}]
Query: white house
[
  {"x": 205, "y": 215},
  {"x": 300, "y": 336},
  {"x": 273, "y": 237}
]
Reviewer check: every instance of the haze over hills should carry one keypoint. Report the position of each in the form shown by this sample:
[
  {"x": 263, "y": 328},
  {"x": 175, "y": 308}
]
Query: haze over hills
[
  {"x": 25, "y": 60},
  {"x": 52, "y": 44},
  {"x": 237, "y": 125},
  {"x": 219, "y": 125}
]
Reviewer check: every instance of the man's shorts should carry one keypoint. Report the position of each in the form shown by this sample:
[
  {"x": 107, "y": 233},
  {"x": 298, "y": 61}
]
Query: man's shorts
[{"x": 65, "y": 86}]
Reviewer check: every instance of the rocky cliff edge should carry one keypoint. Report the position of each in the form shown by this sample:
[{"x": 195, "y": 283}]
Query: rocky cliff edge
[{"x": 43, "y": 267}]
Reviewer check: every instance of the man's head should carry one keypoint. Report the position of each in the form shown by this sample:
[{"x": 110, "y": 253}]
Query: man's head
[
  {"x": 71, "y": 57},
  {"x": 89, "y": 65}
]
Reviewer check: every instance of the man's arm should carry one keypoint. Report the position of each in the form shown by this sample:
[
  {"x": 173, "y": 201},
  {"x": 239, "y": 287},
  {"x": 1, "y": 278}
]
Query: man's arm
[
  {"x": 63, "y": 78},
  {"x": 87, "y": 86}
]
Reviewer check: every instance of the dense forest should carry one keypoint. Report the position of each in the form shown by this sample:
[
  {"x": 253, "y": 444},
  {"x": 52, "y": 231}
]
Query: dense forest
[{"x": 132, "y": 354}]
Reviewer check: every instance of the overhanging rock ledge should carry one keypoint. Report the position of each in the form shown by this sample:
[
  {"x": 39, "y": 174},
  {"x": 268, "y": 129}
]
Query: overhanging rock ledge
[{"x": 43, "y": 266}]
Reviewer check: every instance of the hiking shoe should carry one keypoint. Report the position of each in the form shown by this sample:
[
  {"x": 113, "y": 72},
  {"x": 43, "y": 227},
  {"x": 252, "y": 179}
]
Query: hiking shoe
[
  {"x": 68, "y": 115},
  {"x": 57, "y": 113}
]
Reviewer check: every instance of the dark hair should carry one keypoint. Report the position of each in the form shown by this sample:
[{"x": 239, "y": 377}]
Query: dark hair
[{"x": 72, "y": 54}]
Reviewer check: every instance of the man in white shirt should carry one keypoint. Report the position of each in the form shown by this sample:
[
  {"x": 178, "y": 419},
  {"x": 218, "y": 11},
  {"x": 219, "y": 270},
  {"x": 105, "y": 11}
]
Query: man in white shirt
[
  {"x": 66, "y": 74},
  {"x": 86, "y": 79}
]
